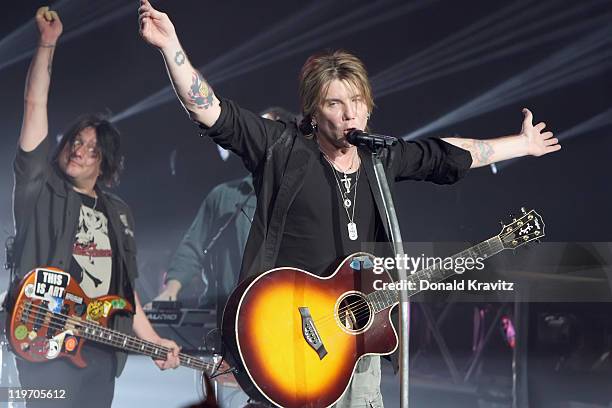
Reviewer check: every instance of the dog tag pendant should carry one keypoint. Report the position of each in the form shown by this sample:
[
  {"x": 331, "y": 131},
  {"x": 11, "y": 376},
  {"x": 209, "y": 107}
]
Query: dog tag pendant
[{"x": 352, "y": 230}]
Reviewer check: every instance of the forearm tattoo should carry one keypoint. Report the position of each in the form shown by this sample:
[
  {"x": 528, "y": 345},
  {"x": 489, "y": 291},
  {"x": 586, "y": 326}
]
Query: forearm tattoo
[
  {"x": 179, "y": 58},
  {"x": 50, "y": 62},
  {"x": 481, "y": 151},
  {"x": 200, "y": 93}
]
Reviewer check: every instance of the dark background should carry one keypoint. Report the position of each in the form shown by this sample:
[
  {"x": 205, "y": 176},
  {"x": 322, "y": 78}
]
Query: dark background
[{"x": 109, "y": 67}]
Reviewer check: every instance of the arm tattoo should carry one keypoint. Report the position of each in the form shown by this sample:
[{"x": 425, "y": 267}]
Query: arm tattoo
[
  {"x": 50, "y": 62},
  {"x": 200, "y": 93},
  {"x": 179, "y": 57},
  {"x": 482, "y": 151}
]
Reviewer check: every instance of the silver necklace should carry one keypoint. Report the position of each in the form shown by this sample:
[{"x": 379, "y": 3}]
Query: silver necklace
[
  {"x": 351, "y": 226},
  {"x": 345, "y": 194},
  {"x": 346, "y": 180}
]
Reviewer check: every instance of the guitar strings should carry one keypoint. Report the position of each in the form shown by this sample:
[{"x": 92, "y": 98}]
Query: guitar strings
[
  {"x": 78, "y": 322},
  {"x": 359, "y": 308},
  {"x": 43, "y": 313},
  {"x": 358, "y": 312},
  {"x": 88, "y": 325},
  {"x": 132, "y": 341},
  {"x": 38, "y": 312},
  {"x": 363, "y": 310},
  {"x": 58, "y": 326}
]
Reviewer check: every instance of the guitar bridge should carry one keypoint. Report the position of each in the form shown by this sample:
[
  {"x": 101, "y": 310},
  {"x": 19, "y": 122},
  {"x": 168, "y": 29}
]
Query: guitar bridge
[{"x": 310, "y": 333}]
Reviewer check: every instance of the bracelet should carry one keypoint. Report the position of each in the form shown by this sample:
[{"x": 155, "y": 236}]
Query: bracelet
[{"x": 42, "y": 45}]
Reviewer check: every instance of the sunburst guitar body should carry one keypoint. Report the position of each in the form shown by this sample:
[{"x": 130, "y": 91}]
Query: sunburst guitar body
[
  {"x": 295, "y": 338},
  {"x": 301, "y": 335}
]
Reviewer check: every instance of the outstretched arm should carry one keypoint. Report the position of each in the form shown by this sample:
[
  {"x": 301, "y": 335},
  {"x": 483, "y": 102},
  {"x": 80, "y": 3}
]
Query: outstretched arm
[
  {"x": 191, "y": 88},
  {"x": 530, "y": 141},
  {"x": 35, "y": 124}
]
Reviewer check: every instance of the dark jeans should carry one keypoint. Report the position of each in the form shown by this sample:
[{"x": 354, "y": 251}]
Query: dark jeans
[{"x": 92, "y": 386}]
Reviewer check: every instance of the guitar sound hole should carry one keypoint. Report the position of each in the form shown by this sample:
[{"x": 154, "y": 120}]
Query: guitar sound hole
[{"x": 354, "y": 312}]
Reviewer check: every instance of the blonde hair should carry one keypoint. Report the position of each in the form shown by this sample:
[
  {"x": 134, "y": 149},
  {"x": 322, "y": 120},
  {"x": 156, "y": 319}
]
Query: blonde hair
[{"x": 320, "y": 70}]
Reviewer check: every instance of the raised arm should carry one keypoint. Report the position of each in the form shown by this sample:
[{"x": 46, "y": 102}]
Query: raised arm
[
  {"x": 191, "y": 88},
  {"x": 35, "y": 124},
  {"x": 530, "y": 141}
]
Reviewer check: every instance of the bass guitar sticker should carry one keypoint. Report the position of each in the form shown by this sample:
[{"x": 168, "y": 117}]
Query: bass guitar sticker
[{"x": 50, "y": 283}]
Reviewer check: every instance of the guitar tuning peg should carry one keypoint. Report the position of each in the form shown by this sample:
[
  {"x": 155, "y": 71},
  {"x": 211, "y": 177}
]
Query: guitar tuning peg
[
  {"x": 523, "y": 210},
  {"x": 501, "y": 222}
]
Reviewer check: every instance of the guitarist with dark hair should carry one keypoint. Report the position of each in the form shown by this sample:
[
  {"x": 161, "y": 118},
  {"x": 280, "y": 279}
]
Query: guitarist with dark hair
[{"x": 64, "y": 219}]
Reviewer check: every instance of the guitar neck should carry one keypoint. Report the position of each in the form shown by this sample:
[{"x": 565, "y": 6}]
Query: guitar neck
[
  {"x": 125, "y": 342},
  {"x": 382, "y": 299}
]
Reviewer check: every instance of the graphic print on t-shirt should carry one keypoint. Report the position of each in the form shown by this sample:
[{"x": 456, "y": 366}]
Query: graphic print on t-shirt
[{"x": 93, "y": 253}]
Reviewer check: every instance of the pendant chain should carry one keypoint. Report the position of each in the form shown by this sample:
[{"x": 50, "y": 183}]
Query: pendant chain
[{"x": 346, "y": 201}]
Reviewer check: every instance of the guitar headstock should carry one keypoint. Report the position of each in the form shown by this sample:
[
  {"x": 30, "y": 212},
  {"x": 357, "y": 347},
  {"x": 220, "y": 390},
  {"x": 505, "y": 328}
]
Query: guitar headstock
[{"x": 529, "y": 227}]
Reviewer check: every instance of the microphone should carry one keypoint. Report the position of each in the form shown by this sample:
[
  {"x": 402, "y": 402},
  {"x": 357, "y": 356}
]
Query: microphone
[{"x": 360, "y": 138}]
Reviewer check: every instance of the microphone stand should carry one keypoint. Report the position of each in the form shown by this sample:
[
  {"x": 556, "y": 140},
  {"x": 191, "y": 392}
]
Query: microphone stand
[{"x": 398, "y": 248}]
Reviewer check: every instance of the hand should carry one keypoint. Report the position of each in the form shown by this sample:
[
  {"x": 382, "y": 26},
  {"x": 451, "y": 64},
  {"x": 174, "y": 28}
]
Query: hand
[
  {"x": 172, "y": 359},
  {"x": 155, "y": 27},
  {"x": 165, "y": 295},
  {"x": 49, "y": 25},
  {"x": 223, "y": 379},
  {"x": 173, "y": 287},
  {"x": 538, "y": 143}
]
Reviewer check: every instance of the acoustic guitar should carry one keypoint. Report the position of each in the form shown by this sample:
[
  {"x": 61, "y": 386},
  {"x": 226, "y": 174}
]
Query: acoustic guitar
[{"x": 295, "y": 337}]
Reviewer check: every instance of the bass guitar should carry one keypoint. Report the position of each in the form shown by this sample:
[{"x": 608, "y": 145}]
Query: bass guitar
[{"x": 52, "y": 318}]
